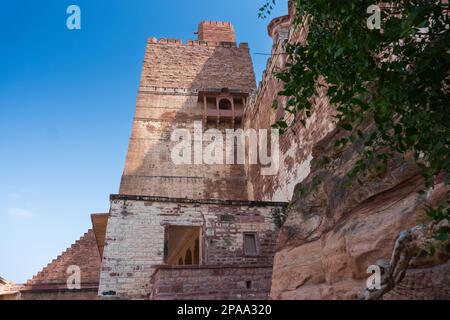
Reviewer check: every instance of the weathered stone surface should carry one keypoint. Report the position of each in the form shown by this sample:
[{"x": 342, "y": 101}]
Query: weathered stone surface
[
  {"x": 423, "y": 283},
  {"x": 135, "y": 238},
  {"x": 330, "y": 236},
  {"x": 267, "y": 107},
  {"x": 335, "y": 233},
  {"x": 211, "y": 282},
  {"x": 216, "y": 31},
  {"x": 11, "y": 291},
  {"x": 172, "y": 75},
  {"x": 155, "y": 192},
  {"x": 51, "y": 282}
]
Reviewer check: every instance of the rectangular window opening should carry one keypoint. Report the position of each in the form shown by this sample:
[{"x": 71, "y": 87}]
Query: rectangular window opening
[
  {"x": 182, "y": 245},
  {"x": 250, "y": 244}
]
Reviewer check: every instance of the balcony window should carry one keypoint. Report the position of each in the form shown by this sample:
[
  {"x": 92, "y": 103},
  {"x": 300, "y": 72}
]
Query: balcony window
[{"x": 224, "y": 104}]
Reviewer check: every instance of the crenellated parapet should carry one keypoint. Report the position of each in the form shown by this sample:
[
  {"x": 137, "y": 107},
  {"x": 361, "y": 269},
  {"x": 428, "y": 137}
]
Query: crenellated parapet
[{"x": 179, "y": 42}]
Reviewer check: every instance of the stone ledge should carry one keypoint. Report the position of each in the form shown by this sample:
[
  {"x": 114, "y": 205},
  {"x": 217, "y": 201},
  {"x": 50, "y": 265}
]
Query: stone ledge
[
  {"x": 60, "y": 287},
  {"x": 187, "y": 91},
  {"x": 276, "y": 22},
  {"x": 199, "y": 201},
  {"x": 205, "y": 266}
]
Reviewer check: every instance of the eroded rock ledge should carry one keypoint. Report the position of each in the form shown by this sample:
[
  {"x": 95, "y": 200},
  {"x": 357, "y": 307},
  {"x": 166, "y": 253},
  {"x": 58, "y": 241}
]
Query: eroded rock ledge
[{"x": 333, "y": 233}]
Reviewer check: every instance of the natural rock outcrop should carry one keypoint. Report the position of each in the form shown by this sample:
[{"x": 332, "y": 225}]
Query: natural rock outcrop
[
  {"x": 405, "y": 256},
  {"x": 334, "y": 233}
]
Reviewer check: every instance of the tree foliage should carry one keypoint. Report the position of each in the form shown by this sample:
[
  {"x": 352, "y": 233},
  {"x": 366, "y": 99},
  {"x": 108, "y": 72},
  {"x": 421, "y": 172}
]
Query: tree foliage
[
  {"x": 396, "y": 77},
  {"x": 266, "y": 9}
]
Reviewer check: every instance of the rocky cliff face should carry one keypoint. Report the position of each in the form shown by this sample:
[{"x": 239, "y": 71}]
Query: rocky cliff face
[{"x": 334, "y": 233}]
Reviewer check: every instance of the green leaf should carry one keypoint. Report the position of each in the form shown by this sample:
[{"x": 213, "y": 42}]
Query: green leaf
[
  {"x": 360, "y": 133},
  {"x": 432, "y": 250},
  {"x": 441, "y": 237},
  {"x": 347, "y": 127},
  {"x": 398, "y": 103},
  {"x": 338, "y": 52}
]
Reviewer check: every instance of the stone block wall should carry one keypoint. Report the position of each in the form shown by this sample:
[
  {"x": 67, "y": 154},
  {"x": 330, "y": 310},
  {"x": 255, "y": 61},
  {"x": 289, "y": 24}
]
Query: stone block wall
[
  {"x": 173, "y": 73},
  {"x": 267, "y": 107},
  {"x": 169, "y": 63},
  {"x": 60, "y": 294},
  {"x": 216, "y": 31},
  {"x": 135, "y": 237},
  {"x": 51, "y": 282},
  {"x": 212, "y": 283},
  {"x": 149, "y": 169}
]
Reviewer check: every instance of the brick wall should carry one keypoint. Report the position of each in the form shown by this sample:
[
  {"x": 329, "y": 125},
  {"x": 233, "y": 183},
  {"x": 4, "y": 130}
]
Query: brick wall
[
  {"x": 51, "y": 282},
  {"x": 149, "y": 169},
  {"x": 83, "y": 253},
  {"x": 296, "y": 144},
  {"x": 60, "y": 294},
  {"x": 169, "y": 63},
  {"x": 216, "y": 31},
  {"x": 211, "y": 283},
  {"x": 135, "y": 237}
]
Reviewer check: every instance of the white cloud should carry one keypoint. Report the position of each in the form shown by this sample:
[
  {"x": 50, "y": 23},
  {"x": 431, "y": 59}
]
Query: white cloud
[
  {"x": 13, "y": 195},
  {"x": 20, "y": 213}
]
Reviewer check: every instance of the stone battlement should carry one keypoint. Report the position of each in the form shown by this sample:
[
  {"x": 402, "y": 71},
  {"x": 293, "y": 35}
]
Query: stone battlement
[
  {"x": 217, "y": 23},
  {"x": 210, "y": 33},
  {"x": 216, "y": 31}
]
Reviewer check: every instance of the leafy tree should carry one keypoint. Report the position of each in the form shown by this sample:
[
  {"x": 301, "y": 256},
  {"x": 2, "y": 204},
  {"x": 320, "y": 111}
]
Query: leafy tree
[
  {"x": 396, "y": 77},
  {"x": 266, "y": 9}
]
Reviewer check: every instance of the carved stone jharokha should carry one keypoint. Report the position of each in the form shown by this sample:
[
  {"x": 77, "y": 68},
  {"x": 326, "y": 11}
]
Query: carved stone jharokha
[{"x": 222, "y": 106}]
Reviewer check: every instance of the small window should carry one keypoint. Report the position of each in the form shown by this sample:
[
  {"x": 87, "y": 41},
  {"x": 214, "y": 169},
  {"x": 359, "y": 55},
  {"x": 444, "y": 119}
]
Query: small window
[
  {"x": 225, "y": 104},
  {"x": 250, "y": 244}
]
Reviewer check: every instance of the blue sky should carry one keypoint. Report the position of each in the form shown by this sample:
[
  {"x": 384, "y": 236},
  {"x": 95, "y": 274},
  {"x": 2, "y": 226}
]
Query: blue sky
[{"x": 67, "y": 101}]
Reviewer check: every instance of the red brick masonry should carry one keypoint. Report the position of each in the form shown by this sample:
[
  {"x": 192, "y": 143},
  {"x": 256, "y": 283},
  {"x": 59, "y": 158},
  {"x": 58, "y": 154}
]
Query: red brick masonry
[{"x": 211, "y": 282}]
